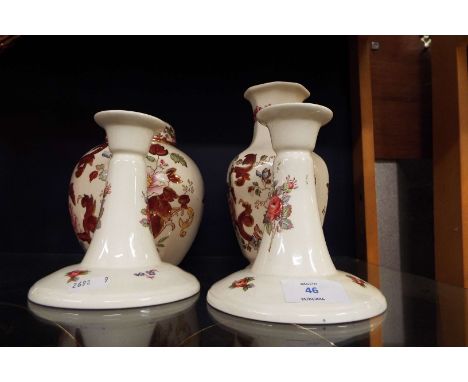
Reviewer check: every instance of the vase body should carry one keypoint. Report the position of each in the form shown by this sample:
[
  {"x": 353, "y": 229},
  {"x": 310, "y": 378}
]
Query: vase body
[
  {"x": 175, "y": 197},
  {"x": 249, "y": 175},
  {"x": 122, "y": 267},
  {"x": 293, "y": 279}
]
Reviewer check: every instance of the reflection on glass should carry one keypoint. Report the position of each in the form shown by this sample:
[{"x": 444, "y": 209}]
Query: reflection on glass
[
  {"x": 259, "y": 333},
  {"x": 163, "y": 325}
]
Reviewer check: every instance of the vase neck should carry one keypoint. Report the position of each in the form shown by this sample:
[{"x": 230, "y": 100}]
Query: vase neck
[
  {"x": 261, "y": 138},
  {"x": 293, "y": 242},
  {"x": 273, "y": 93},
  {"x": 123, "y": 237}
]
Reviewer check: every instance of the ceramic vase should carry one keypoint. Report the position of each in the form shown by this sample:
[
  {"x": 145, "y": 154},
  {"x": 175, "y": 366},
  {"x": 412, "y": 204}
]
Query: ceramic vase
[
  {"x": 249, "y": 175},
  {"x": 175, "y": 199},
  {"x": 165, "y": 325},
  {"x": 293, "y": 279},
  {"x": 122, "y": 267}
]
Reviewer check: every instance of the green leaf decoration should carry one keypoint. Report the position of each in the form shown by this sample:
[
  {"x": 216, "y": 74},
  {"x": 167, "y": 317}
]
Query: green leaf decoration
[
  {"x": 255, "y": 183},
  {"x": 143, "y": 211},
  {"x": 257, "y": 192},
  {"x": 268, "y": 227},
  {"x": 264, "y": 158},
  {"x": 286, "y": 224},
  {"x": 177, "y": 158},
  {"x": 150, "y": 158},
  {"x": 163, "y": 239},
  {"x": 286, "y": 212}
]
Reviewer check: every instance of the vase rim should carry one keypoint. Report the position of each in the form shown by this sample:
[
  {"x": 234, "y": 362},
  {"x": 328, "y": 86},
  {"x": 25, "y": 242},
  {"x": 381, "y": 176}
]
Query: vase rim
[
  {"x": 295, "y": 110},
  {"x": 109, "y": 117},
  {"x": 276, "y": 84}
]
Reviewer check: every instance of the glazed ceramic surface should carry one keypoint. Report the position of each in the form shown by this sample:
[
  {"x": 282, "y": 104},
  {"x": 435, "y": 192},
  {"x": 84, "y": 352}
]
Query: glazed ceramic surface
[
  {"x": 122, "y": 267},
  {"x": 258, "y": 333},
  {"x": 250, "y": 176},
  {"x": 293, "y": 279},
  {"x": 164, "y": 325},
  {"x": 175, "y": 195}
]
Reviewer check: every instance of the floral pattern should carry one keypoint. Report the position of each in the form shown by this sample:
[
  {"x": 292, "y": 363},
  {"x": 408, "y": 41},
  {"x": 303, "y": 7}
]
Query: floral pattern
[
  {"x": 357, "y": 280},
  {"x": 88, "y": 159},
  {"x": 149, "y": 274},
  {"x": 258, "y": 187},
  {"x": 164, "y": 204},
  {"x": 74, "y": 275},
  {"x": 245, "y": 283},
  {"x": 171, "y": 196},
  {"x": 279, "y": 210}
]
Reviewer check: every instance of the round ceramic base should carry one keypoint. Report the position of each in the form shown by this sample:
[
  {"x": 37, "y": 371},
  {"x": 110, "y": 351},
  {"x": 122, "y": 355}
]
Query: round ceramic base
[
  {"x": 265, "y": 298},
  {"x": 77, "y": 287}
]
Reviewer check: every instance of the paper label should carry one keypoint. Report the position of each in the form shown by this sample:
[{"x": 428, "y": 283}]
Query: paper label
[
  {"x": 89, "y": 283},
  {"x": 308, "y": 290}
]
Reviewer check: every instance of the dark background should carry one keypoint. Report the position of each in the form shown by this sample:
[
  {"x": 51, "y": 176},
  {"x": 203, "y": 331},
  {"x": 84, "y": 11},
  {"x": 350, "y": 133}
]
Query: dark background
[{"x": 51, "y": 87}]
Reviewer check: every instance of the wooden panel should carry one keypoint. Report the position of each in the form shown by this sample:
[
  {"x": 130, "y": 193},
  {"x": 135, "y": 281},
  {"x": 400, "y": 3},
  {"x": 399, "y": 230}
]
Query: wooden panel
[
  {"x": 363, "y": 151},
  {"x": 401, "y": 96},
  {"x": 450, "y": 157},
  {"x": 452, "y": 316}
]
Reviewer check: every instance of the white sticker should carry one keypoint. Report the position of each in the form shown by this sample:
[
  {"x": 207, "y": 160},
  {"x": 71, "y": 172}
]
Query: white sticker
[
  {"x": 308, "y": 290},
  {"x": 89, "y": 283}
]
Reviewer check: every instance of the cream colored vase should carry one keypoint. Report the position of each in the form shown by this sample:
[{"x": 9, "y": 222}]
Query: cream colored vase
[
  {"x": 293, "y": 278},
  {"x": 175, "y": 200},
  {"x": 249, "y": 175}
]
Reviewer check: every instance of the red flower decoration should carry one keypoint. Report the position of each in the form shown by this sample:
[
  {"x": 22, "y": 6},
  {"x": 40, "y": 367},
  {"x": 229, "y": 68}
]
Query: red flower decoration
[
  {"x": 245, "y": 283},
  {"x": 88, "y": 159},
  {"x": 89, "y": 220},
  {"x": 172, "y": 176},
  {"x": 242, "y": 173},
  {"x": 73, "y": 275},
  {"x": 184, "y": 200},
  {"x": 169, "y": 194},
  {"x": 249, "y": 159},
  {"x": 292, "y": 184},
  {"x": 274, "y": 208},
  {"x": 157, "y": 149},
  {"x": 158, "y": 206},
  {"x": 93, "y": 175}
]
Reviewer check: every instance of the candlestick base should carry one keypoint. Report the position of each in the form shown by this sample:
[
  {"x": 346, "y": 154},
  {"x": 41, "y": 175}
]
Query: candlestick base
[
  {"x": 337, "y": 298},
  {"x": 77, "y": 287}
]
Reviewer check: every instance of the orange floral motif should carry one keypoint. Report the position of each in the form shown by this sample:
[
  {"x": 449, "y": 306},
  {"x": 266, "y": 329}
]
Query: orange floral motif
[
  {"x": 74, "y": 275},
  {"x": 245, "y": 283}
]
